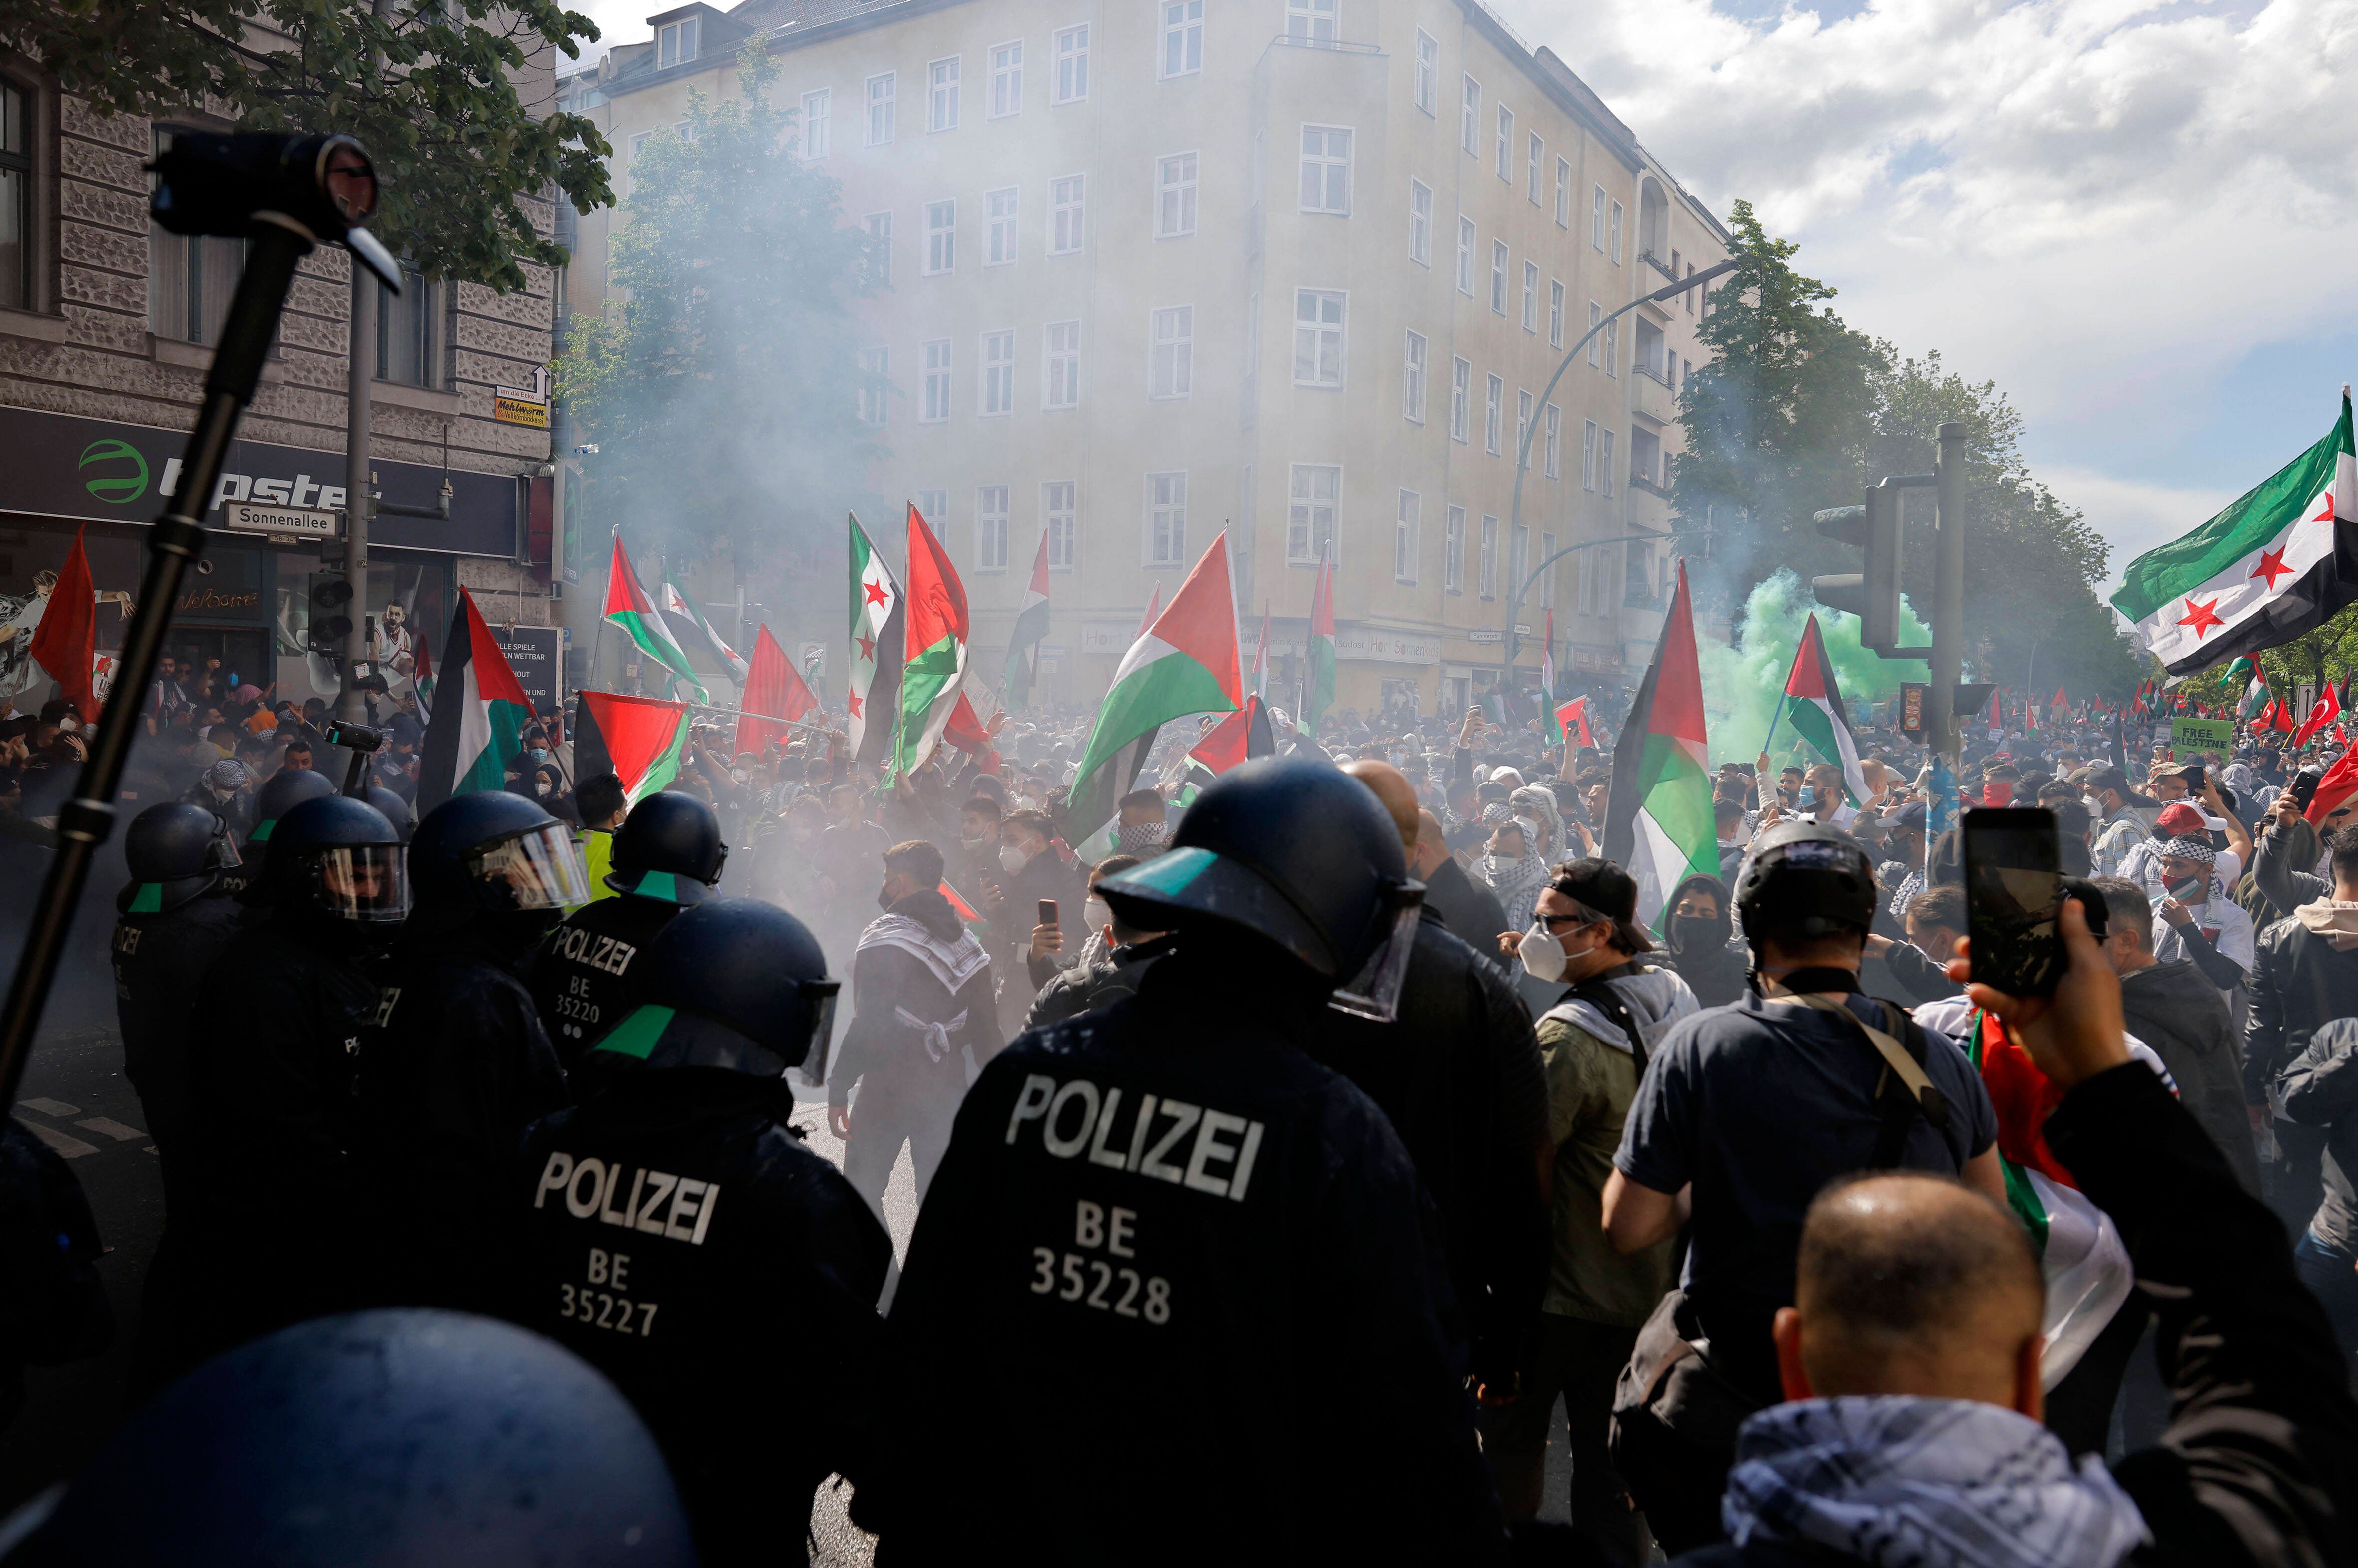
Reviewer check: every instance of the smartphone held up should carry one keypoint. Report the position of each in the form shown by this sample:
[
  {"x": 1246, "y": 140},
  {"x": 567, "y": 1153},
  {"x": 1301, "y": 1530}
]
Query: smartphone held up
[{"x": 2015, "y": 889}]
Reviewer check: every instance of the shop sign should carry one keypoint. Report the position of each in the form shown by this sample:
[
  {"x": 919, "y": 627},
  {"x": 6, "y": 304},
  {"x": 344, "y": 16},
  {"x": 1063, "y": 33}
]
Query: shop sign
[
  {"x": 532, "y": 654},
  {"x": 1369, "y": 644}
]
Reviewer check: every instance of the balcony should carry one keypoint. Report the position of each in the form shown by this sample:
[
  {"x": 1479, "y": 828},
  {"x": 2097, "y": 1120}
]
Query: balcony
[
  {"x": 1654, "y": 400},
  {"x": 1659, "y": 265},
  {"x": 1647, "y": 508}
]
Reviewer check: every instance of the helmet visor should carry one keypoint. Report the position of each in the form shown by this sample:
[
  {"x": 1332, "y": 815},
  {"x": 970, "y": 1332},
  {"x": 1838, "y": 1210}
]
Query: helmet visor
[
  {"x": 540, "y": 868},
  {"x": 363, "y": 883},
  {"x": 821, "y": 995},
  {"x": 1375, "y": 991},
  {"x": 221, "y": 851}
]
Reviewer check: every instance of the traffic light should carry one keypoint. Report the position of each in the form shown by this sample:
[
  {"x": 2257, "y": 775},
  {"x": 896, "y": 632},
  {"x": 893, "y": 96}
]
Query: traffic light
[
  {"x": 331, "y": 621},
  {"x": 1872, "y": 595}
]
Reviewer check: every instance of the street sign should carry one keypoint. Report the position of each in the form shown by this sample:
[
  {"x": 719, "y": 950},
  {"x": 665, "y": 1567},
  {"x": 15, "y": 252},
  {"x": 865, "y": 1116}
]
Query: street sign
[
  {"x": 523, "y": 404},
  {"x": 279, "y": 522},
  {"x": 1485, "y": 636}
]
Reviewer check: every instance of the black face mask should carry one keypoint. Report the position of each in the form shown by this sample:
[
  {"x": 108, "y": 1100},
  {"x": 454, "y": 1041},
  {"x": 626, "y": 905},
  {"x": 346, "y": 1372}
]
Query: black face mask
[
  {"x": 1692, "y": 932},
  {"x": 884, "y": 899}
]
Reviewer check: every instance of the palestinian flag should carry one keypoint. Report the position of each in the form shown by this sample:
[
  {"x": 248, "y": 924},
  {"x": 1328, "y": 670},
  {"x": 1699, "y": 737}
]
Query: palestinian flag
[
  {"x": 933, "y": 663},
  {"x": 773, "y": 690},
  {"x": 1318, "y": 669},
  {"x": 1813, "y": 706},
  {"x": 1547, "y": 683},
  {"x": 478, "y": 726},
  {"x": 876, "y": 653},
  {"x": 1658, "y": 821},
  {"x": 1185, "y": 663},
  {"x": 2256, "y": 695},
  {"x": 1031, "y": 630},
  {"x": 1571, "y": 718},
  {"x": 421, "y": 681},
  {"x": 966, "y": 915},
  {"x": 687, "y": 621},
  {"x": 628, "y": 606},
  {"x": 1242, "y": 736},
  {"x": 639, "y": 740},
  {"x": 2278, "y": 562}
]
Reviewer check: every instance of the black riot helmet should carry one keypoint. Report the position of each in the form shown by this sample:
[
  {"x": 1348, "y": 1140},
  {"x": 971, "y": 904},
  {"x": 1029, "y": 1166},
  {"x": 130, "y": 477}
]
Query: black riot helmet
[
  {"x": 1804, "y": 882},
  {"x": 1298, "y": 854},
  {"x": 395, "y": 1436},
  {"x": 396, "y": 810},
  {"x": 492, "y": 850},
  {"x": 175, "y": 852},
  {"x": 340, "y": 855},
  {"x": 281, "y": 793},
  {"x": 668, "y": 848},
  {"x": 733, "y": 983}
]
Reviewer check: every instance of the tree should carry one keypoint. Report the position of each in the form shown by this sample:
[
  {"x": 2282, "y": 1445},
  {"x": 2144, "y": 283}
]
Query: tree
[
  {"x": 718, "y": 386},
  {"x": 428, "y": 89}
]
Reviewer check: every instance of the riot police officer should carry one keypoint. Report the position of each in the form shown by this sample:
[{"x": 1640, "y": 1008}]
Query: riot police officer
[
  {"x": 667, "y": 858},
  {"x": 396, "y": 810},
  {"x": 673, "y": 1229},
  {"x": 281, "y": 793},
  {"x": 1169, "y": 1258},
  {"x": 276, "y": 1026},
  {"x": 454, "y": 1064}
]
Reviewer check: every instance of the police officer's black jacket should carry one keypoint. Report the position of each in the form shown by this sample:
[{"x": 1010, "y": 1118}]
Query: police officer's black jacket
[
  {"x": 1459, "y": 1075},
  {"x": 160, "y": 956},
  {"x": 674, "y": 1231},
  {"x": 581, "y": 979},
  {"x": 454, "y": 1066},
  {"x": 1175, "y": 1296}
]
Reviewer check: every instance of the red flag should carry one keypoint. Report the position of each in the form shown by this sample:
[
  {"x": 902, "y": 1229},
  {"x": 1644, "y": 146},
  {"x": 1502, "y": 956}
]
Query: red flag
[
  {"x": 2340, "y": 782},
  {"x": 66, "y": 642},
  {"x": 1242, "y": 735},
  {"x": 772, "y": 687},
  {"x": 1996, "y": 717},
  {"x": 1572, "y": 717},
  {"x": 2328, "y": 709}
]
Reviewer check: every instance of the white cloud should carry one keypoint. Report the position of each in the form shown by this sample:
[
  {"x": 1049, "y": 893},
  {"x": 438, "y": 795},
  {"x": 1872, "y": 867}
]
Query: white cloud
[{"x": 2133, "y": 517}]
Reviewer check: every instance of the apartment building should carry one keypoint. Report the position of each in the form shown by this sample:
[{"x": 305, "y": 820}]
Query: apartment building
[
  {"x": 107, "y": 325},
  {"x": 1298, "y": 269}
]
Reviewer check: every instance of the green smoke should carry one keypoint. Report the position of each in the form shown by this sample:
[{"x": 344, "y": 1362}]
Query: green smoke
[{"x": 1744, "y": 683}]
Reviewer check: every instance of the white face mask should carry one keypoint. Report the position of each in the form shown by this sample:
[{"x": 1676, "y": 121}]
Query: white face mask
[
  {"x": 1013, "y": 861},
  {"x": 1542, "y": 954},
  {"x": 1096, "y": 913}
]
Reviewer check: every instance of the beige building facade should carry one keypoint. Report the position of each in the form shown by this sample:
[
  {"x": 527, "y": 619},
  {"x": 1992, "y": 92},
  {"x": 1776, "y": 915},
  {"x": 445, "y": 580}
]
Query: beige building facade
[{"x": 1300, "y": 270}]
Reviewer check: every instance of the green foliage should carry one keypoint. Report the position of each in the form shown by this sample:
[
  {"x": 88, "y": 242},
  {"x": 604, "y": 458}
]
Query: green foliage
[
  {"x": 1797, "y": 411},
  {"x": 718, "y": 385},
  {"x": 428, "y": 89}
]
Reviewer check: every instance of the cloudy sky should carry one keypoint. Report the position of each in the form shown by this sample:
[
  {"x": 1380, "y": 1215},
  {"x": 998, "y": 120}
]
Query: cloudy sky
[{"x": 2139, "y": 217}]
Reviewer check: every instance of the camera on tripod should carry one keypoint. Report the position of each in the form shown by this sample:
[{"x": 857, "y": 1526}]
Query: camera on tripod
[{"x": 324, "y": 188}]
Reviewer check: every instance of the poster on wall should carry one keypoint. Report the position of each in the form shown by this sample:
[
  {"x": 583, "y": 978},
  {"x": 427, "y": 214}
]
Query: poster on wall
[{"x": 532, "y": 653}]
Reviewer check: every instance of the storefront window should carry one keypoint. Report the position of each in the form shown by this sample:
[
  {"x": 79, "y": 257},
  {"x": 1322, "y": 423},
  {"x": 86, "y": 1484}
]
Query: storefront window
[{"x": 408, "y": 602}]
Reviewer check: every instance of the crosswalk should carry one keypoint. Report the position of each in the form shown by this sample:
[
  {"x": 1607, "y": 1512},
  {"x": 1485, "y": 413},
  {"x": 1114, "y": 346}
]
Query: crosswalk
[{"x": 66, "y": 1144}]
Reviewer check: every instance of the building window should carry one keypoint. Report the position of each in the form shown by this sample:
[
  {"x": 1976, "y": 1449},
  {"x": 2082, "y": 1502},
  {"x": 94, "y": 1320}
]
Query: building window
[
  {"x": 1404, "y": 529},
  {"x": 1497, "y": 277},
  {"x": 880, "y": 248},
  {"x": 1310, "y": 512},
  {"x": 1000, "y": 207},
  {"x": 881, "y": 109},
  {"x": 1686, "y": 296},
  {"x": 1539, "y": 157},
  {"x": 941, "y": 236},
  {"x": 1605, "y": 464},
  {"x": 1547, "y": 572},
  {"x": 999, "y": 372},
  {"x": 1490, "y": 562},
  {"x": 1597, "y": 219},
  {"x": 1530, "y": 297},
  {"x": 1616, "y": 233},
  {"x": 189, "y": 277},
  {"x": 941, "y": 95},
  {"x": 933, "y": 357},
  {"x": 1506, "y": 143},
  {"x": 1166, "y": 519},
  {"x": 1006, "y": 80},
  {"x": 1428, "y": 71},
  {"x": 1588, "y": 454},
  {"x": 1312, "y": 21},
  {"x": 1420, "y": 223},
  {"x": 991, "y": 528},
  {"x": 1461, "y": 395},
  {"x": 1174, "y": 195},
  {"x": 1453, "y": 550},
  {"x": 1062, "y": 389},
  {"x": 1183, "y": 38},
  {"x": 1317, "y": 337},
  {"x": 875, "y": 384},
  {"x": 933, "y": 506},
  {"x": 1065, "y": 209},
  {"x": 815, "y": 122},
  {"x": 1613, "y": 346},
  {"x": 675, "y": 45},
  {"x": 1465, "y": 257},
  {"x": 1061, "y": 523},
  {"x": 1493, "y": 408},
  {"x": 1072, "y": 65},
  {"x": 1596, "y": 314},
  {"x": 1172, "y": 364},
  {"x": 1522, "y": 427},
  {"x": 1518, "y": 557},
  {"x": 1469, "y": 118},
  {"x": 1555, "y": 314},
  {"x": 1326, "y": 169},
  {"x": 1564, "y": 193},
  {"x": 1554, "y": 441},
  {"x": 409, "y": 331},
  {"x": 1413, "y": 379}
]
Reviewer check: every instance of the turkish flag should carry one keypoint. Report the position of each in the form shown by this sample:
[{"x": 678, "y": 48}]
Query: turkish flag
[
  {"x": 2328, "y": 709},
  {"x": 66, "y": 642}
]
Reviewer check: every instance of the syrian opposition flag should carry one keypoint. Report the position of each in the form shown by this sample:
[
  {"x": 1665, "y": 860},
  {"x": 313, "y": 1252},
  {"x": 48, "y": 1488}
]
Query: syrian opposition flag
[
  {"x": 639, "y": 740},
  {"x": 628, "y": 606},
  {"x": 1658, "y": 821},
  {"x": 1318, "y": 669},
  {"x": 66, "y": 642},
  {"x": 933, "y": 661},
  {"x": 2326, "y": 709},
  {"x": 478, "y": 727},
  {"x": 1571, "y": 718},
  {"x": 1547, "y": 682},
  {"x": 773, "y": 688},
  {"x": 1186, "y": 663},
  {"x": 876, "y": 653},
  {"x": 1031, "y": 630},
  {"x": 2281, "y": 560},
  {"x": 1813, "y": 706},
  {"x": 687, "y": 621}
]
